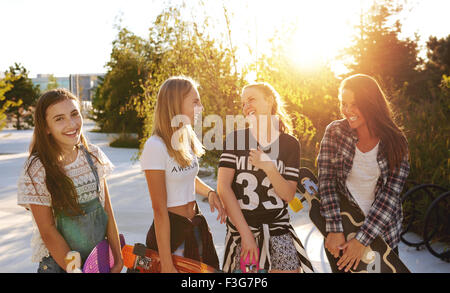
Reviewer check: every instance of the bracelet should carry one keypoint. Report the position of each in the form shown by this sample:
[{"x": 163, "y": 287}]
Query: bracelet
[{"x": 210, "y": 192}]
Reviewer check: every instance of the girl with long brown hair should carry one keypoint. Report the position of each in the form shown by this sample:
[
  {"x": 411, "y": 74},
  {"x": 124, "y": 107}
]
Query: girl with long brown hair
[
  {"x": 170, "y": 163},
  {"x": 63, "y": 184},
  {"x": 365, "y": 158}
]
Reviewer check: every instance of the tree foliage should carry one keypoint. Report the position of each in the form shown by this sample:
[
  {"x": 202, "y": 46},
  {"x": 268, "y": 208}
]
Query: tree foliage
[
  {"x": 52, "y": 82},
  {"x": 417, "y": 89},
  {"x": 310, "y": 96},
  {"x": 21, "y": 97},
  {"x": 126, "y": 68},
  {"x": 6, "y": 84},
  {"x": 378, "y": 51},
  {"x": 179, "y": 47}
]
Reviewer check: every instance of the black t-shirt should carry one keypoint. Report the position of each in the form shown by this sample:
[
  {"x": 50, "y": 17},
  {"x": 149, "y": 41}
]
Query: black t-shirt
[{"x": 252, "y": 187}]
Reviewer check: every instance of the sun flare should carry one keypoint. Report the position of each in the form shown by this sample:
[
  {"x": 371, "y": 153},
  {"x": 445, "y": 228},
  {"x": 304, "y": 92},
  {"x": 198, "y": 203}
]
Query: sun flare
[{"x": 313, "y": 32}]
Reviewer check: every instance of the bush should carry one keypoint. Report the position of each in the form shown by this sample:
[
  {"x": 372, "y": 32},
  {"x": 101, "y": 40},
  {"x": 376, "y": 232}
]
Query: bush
[{"x": 125, "y": 141}]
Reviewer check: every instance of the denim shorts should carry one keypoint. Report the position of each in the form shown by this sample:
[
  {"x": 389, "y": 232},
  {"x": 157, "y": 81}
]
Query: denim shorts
[{"x": 49, "y": 265}]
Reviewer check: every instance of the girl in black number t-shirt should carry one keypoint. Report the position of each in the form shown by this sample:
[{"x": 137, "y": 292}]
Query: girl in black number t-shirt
[{"x": 258, "y": 174}]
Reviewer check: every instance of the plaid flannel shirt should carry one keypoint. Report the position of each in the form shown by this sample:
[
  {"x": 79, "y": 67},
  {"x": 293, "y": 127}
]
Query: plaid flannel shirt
[{"x": 335, "y": 160}]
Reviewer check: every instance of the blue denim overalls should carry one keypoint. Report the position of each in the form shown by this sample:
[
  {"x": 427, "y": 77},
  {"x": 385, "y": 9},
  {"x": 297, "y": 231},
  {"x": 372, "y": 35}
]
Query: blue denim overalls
[{"x": 82, "y": 233}]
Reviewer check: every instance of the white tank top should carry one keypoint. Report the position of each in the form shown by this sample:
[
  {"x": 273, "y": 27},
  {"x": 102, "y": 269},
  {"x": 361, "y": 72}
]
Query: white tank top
[{"x": 363, "y": 177}]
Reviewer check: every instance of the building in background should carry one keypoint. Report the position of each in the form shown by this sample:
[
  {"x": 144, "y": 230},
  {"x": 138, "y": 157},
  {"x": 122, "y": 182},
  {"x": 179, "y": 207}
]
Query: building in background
[
  {"x": 43, "y": 81},
  {"x": 84, "y": 85},
  {"x": 81, "y": 85}
]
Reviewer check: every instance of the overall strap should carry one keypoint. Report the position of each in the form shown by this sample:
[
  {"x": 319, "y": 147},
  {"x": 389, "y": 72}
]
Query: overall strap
[{"x": 92, "y": 165}]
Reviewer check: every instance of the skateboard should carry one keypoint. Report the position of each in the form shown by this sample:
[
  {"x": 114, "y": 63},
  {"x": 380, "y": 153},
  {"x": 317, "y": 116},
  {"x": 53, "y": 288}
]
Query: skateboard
[
  {"x": 101, "y": 259},
  {"x": 378, "y": 256},
  {"x": 140, "y": 259}
]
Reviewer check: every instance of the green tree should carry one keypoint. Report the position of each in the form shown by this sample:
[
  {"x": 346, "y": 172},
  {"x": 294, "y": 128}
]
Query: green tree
[
  {"x": 127, "y": 66},
  {"x": 6, "y": 84},
  {"x": 438, "y": 53},
  {"x": 310, "y": 95},
  {"x": 23, "y": 90},
  {"x": 179, "y": 47},
  {"x": 52, "y": 82},
  {"x": 427, "y": 85},
  {"x": 378, "y": 51},
  {"x": 437, "y": 65}
]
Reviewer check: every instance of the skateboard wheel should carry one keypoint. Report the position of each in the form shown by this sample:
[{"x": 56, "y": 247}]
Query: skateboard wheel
[{"x": 296, "y": 204}]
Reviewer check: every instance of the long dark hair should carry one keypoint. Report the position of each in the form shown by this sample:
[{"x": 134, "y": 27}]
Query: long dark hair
[
  {"x": 46, "y": 149},
  {"x": 372, "y": 103}
]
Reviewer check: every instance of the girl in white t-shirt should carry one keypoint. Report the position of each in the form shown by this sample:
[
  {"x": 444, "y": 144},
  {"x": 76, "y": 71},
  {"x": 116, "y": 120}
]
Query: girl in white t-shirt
[
  {"x": 63, "y": 184},
  {"x": 169, "y": 161},
  {"x": 364, "y": 158}
]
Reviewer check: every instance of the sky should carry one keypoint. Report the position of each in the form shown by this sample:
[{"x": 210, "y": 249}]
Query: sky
[{"x": 67, "y": 37}]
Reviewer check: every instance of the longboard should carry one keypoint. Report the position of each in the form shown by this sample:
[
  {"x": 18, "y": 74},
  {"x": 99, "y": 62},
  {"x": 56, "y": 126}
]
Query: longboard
[
  {"x": 101, "y": 259},
  {"x": 140, "y": 259},
  {"x": 378, "y": 256}
]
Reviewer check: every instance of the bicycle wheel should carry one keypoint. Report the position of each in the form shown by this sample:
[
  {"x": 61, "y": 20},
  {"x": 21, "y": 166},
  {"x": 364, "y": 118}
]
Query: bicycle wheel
[
  {"x": 438, "y": 217},
  {"x": 414, "y": 213}
]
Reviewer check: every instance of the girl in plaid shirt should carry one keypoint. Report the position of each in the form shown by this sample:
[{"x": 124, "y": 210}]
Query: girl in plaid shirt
[{"x": 364, "y": 157}]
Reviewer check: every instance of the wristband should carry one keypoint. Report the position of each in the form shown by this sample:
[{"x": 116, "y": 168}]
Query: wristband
[{"x": 210, "y": 192}]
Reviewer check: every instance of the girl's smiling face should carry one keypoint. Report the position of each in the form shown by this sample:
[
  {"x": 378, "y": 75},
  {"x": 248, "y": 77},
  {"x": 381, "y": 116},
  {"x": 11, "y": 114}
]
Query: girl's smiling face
[
  {"x": 254, "y": 103},
  {"x": 64, "y": 123},
  {"x": 350, "y": 111}
]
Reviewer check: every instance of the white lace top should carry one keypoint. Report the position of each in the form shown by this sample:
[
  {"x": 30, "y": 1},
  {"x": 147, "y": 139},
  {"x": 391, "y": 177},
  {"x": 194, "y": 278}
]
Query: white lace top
[{"x": 32, "y": 190}]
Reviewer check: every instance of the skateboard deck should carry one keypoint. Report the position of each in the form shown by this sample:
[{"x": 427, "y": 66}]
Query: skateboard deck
[
  {"x": 101, "y": 259},
  {"x": 378, "y": 256},
  {"x": 140, "y": 259}
]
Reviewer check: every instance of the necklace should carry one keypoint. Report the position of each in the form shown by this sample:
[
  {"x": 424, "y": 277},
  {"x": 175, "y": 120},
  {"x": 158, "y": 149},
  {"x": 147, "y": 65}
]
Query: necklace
[{"x": 68, "y": 159}]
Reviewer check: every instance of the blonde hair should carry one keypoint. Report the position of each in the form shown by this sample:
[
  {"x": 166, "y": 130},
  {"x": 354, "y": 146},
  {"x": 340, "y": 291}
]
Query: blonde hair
[
  {"x": 170, "y": 98},
  {"x": 278, "y": 104}
]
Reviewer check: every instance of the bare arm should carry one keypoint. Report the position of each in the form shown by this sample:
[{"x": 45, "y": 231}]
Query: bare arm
[
  {"x": 53, "y": 240},
  {"x": 224, "y": 179},
  {"x": 201, "y": 187},
  {"x": 214, "y": 201},
  {"x": 285, "y": 189},
  {"x": 156, "y": 185}
]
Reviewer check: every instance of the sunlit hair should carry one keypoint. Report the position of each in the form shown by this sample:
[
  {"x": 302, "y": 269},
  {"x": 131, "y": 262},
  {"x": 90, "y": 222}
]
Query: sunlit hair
[
  {"x": 44, "y": 147},
  {"x": 170, "y": 98},
  {"x": 372, "y": 103},
  {"x": 278, "y": 109}
]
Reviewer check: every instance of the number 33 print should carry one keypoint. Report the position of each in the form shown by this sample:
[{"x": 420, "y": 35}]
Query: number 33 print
[{"x": 251, "y": 199}]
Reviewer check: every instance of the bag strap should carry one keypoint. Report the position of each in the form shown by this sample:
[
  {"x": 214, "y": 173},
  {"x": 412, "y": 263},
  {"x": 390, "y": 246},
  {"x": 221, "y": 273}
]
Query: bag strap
[{"x": 92, "y": 165}]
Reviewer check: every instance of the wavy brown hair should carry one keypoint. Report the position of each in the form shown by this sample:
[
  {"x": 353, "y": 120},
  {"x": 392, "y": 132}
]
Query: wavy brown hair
[
  {"x": 43, "y": 147},
  {"x": 373, "y": 104}
]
